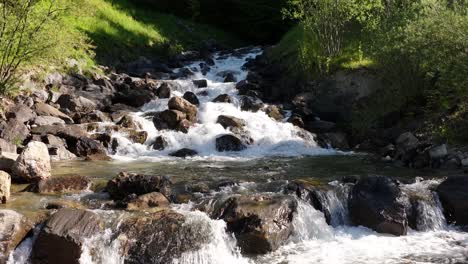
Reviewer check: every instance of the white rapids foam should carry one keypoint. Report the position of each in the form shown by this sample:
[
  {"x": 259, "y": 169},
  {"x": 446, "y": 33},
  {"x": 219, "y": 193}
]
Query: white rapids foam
[{"x": 271, "y": 138}]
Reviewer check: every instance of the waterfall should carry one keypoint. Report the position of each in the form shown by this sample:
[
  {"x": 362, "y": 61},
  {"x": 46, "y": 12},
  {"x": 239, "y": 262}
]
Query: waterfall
[
  {"x": 102, "y": 248},
  {"x": 335, "y": 202},
  {"x": 309, "y": 223}
]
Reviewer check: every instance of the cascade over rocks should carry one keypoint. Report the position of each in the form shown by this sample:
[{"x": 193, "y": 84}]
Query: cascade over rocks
[
  {"x": 229, "y": 143},
  {"x": 5, "y": 184},
  {"x": 453, "y": 194},
  {"x": 62, "y": 236},
  {"x": 33, "y": 164},
  {"x": 14, "y": 227},
  {"x": 378, "y": 203},
  {"x": 164, "y": 91},
  {"x": 159, "y": 237},
  {"x": 160, "y": 143},
  {"x": 261, "y": 223},
  {"x": 126, "y": 184}
]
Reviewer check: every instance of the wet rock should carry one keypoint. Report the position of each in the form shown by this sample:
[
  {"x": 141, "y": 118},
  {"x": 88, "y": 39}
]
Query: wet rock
[
  {"x": 200, "y": 187},
  {"x": 252, "y": 104},
  {"x": 229, "y": 143},
  {"x": 274, "y": 112},
  {"x": 184, "y": 153},
  {"x": 160, "y": 143},
  {"x": 62, "y": 236},
  {"x": 14, "y": 227},
  {"x": 320, "y": 126},
  {"x": 134, "y": 97},
  {"x": 5, "y": 184},
  {"x": 76, "y": 104},
  {"x": 128, "y": 121},
  {"x": 33, "y": 164},
  {"x": 336, "y": 140},
  {"x": 230, "y": 77},
  {"x": 21, "y": 113},
  {"x": 14, "y": 131},
  {"x": 453, "y": 194},
  {"x": 378, "y": 203},
  {"x": 43, "y": 109},
  {"x": 126, "y": 184},
  {"x": 230, "y": 121},
  {"x": 192, "y": 98},
  {"x": 261, "y": 223},
  {"x": 139, "y": 137},
  {"x": 87, "y": 148},
  {"x": 223, "y": 98},
  {"x": 149, "y": 200},
  {"x": 183, "y": 126},
  {"x": 168, "y": 119},
  {"x": 200, "y": 83},
  {"x": 245, "y": 87},
  {"x": 48, "y": 121},
  {"x": 63, "y": 184},
  {"x": 164, "y": 91},
  {"x": 160, "y": 237},
  {"x": 180, "y": 104},
  {"x": 297, "y": 121},
  {"x": 94, "y": 117}
]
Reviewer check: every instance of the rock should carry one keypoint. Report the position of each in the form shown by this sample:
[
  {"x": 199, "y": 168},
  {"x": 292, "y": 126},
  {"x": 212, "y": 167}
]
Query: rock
[
  {"x": 199, "y": 187},
  {"x": 59, "y": 153},
  {"x": 406, "y": 141},
  {"x": 128, "y": 121},
  {"x": 137, "y": 136},
  {"x": 245, "y": 87},
  {"x": 230, "y": 121},
  {"x": 438, "y": 152},
  {"x": 229, "y": 143},
  {"x": 192, "y": 98},
  {"x": 126, "y": 184},
  {"x": 95, "y": 117},
  {"x": 43, "y": 109},
  {"x": 274, "y": 112},
  {"x": 48, "y": 121},
  {"x": 251, "y": 104},
  {"x": 160, "y": 143},
  {"x": 160, "y": 237},
  {"x": 261, "y": 223},
  {"x": 5, "y": 184},
  {"x": 378, "y": 203},
  {"x": 87, "y": 147},
  {"x": 180, "y": 104},
  {"x": 223, "y": 98},
  {"x": 183, "y": 126},
  {"x": 33, "y": 164},
  {"x": 21, "y": 113},
  {"x": 76, "y": 104},
  {"x": 336, "y": 140},
  {"x": 132, "y": 97},
  {"x": 230, "y": 78},
  {"x": 7, "y": 146},
  {"x": 7, "y": 161},
  {"x": 164, "y": 91},
  {"x": 296, "y": 121},
  {"x": 63, "y": 184},
  {"x": 320, "y": 126},
  {"x": 168, "y": 119},
  {"x": 14, "y": 131},
  {"x": 14, "y": 227},
  {"x": 68, "y": 132},
  {"x": 200, "y": 83},
  {"x": 149, "y": 200},
  {"x": 453, "y": 194},
  {"x": 62, "y": 236},
  {"x": 184, "y": 153}
]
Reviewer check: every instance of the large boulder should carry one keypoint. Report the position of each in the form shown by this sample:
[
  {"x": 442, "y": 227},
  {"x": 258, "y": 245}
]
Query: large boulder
[
  {"x": 229, "y": 143},
  {"x": 22, "y": 113},
  {"x": 14, "y": 131},
  {"x": 378, "y": 203},
  {"x": 180, "y": 104},
  {"x": 76, "y": 104},
  {"x": 67, "y": 132},
  {"x": 63, "y": 184},
  {"x": 5, "y": 184},
  {"x": 127, "y": 184},
  {"x": 261, "y": 223},
  {"x": 159, "y": 237},
  {"x": 230, "y": 121},
  {"x": 164, "y": 91},
  {"x": 87, "y": 148},
  {"x": 453, "y": 194},
  {"x": 61, "y": 238},
  {"x": 14, "y": 227},
  {"x": 43, "y": 109},
  {"x": 33, "y": 164},
  {"x": 168, "y": 119}
]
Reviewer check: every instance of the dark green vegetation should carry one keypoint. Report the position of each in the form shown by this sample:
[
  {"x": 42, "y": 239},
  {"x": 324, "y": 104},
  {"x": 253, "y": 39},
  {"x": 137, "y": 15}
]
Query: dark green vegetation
[{"x": 418, "y": 48}]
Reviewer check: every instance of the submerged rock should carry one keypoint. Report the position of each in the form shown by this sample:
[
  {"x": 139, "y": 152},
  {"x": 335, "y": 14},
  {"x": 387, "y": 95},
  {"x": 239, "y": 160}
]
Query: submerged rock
[
  {"x": 229, "y": 143},
  {"x": 147, "y": 201},
  {"x": 64, "y": 184},
  {"x": 61, "y": 238},
  {"x": 184, "y": 153},
  {"x": 378, "y": 203},
  {"x": 33, "y": 164},
  {"x": 261, "y": 223},
  {"x": 453, "y": 194},
  {"x": 14, "y": 227},
  {"x": 5, "y": 184},
  {"x": 126, "y": 184}
]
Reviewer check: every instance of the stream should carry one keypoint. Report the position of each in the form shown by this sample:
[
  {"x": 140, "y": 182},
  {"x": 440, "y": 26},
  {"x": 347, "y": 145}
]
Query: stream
[{"x": 280, "y": 154}]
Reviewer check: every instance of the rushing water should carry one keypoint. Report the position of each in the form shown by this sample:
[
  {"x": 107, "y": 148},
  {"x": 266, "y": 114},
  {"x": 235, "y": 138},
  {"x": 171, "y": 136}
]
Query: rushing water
[{"x": 281, "y": 154}]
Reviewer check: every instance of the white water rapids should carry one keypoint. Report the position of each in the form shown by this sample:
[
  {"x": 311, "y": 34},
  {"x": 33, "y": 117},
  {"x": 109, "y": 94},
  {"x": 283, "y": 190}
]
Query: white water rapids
[{"x": 313, "y": 240}]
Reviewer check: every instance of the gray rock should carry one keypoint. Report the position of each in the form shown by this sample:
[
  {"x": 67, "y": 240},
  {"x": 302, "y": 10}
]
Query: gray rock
[
  {"x": 43, "y": 109},
  {"x": 76, "y": 104},
  {"x": 14, "y": 131},
  {"x": 5, "y": 184},
  {"x": 33, "y": 164},
  {"x": 7, "y": 146},
  {"x": 21, "y": 113},
  {"x": 14, "y": 227},
  {"x": 48, "y": 121},
  {"x": 7, "y": 161}
]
